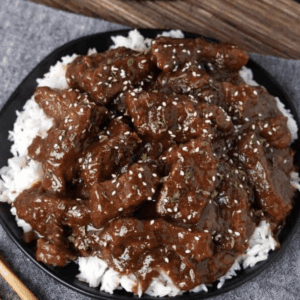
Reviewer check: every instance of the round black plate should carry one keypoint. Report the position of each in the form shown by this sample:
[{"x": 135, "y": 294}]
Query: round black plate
[{"x": 67, "y": 275}]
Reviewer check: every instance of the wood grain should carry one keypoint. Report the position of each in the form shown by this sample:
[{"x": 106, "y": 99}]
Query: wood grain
[
  {"x": 270, "y": 27},
  {"x": 17, "y": 285}
]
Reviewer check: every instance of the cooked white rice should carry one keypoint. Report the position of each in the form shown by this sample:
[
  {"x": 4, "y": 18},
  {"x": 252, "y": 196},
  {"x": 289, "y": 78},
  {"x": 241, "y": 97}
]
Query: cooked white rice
[{"x": 22, "y": 172}]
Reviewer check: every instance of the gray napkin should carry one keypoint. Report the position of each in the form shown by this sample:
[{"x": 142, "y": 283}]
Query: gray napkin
[{"x": 28, "y": 33}]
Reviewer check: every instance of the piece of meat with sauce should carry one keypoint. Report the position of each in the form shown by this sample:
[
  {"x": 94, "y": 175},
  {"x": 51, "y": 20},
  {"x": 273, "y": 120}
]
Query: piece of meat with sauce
[
  {"x": 113, "y": 151},
  {"x": 282, "y": 159},
  {"x": 183, "y": 81},
  {"x": 143, "y": 247},
  {"x": 114, "y": 72},
  {"x": 215, "y": 115},
  {"x": 80, "y": 65},
  {"x": 276, "y": 132},
  {"x": 235, "y": 220},
  {"x": 215, "y": 267},
  {"x": 169, "y": 53},
  {"x": 190, "y": 182},
  {"x": 124, "y": 194},
  {"x": 272, "y": 186},
  {"x": 162, "y": 119},
  {"x": 49, "y": 216},
  {"x": 58, "y": 151},
  {"x": 56, "y": 103},
  {"x": 241, "y": 101},
  {"x": 54, "y": 254},
  {"x": 47, "y": 213}
]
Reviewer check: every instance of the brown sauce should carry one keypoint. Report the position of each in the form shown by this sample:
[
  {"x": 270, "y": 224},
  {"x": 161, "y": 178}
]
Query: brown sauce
[{"x": 175, "y": 179}]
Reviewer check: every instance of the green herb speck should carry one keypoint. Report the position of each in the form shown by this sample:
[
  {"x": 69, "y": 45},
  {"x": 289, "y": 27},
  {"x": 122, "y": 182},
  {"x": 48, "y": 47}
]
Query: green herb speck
[
  {"x": 175, "y": 196},
  {"x": 130, "y": 62}
]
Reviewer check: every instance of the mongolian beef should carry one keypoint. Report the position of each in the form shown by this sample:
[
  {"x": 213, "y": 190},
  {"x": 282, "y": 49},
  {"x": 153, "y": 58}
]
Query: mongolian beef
[{"x": 163, "y": 160}]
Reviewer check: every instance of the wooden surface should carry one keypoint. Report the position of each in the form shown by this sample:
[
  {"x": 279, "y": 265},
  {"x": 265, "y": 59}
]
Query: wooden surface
[
  {"x": 269, "y": 27},
  {"x": 17, "y": 285}
]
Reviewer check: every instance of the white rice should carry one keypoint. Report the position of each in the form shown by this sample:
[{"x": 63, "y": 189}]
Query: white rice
[{"x": 22, "y": 172}]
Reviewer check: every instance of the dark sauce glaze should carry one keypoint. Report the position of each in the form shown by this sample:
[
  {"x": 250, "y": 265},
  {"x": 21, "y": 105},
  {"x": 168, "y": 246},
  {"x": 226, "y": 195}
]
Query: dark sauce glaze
[{"x": 168, "y": 154}]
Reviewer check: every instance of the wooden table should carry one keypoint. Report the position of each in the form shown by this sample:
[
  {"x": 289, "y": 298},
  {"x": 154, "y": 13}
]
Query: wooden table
[{"x": 263, "y": 26}]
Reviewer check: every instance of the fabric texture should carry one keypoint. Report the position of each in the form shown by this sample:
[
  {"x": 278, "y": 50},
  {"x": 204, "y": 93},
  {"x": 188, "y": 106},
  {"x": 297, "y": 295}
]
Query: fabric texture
[{"x": 28, "y": 33}]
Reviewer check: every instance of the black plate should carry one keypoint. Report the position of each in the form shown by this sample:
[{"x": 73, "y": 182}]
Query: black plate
[{"x": 67, "y": 275}]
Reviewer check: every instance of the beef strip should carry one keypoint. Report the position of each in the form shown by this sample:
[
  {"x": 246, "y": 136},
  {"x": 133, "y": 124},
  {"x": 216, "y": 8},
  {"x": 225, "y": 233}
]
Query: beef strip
[
  {"x": 113, "y": 151},
  {"x": 183, "y": 81},
  {"x": 169, "y": 53},
  {"x": 241, "y": 101},
  {"x": 144, "y": 247},
  {"x": 49, "y": 215},
  {"x": 58, "y": 151},
  {"x": 114, "y": 72},
  {"x": 274, "y": 192},
  {"x": 190, "y": 182},
  {"x": 124, "y": 194},
  {"x": 275, "y": 131},
  {"x": 53, "y": 254},
  {"x": 76, "y": 70},
  {"x": 164, "y": 119},
  {"x": 56, "y": 103}
]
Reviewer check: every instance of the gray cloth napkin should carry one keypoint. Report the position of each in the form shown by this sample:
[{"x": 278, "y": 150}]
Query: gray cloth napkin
[{"x": 28, "y": 33}]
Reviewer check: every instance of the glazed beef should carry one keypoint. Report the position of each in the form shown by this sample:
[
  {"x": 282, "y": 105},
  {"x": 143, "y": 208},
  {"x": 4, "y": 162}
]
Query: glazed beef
[{"x": 103, "y": 76}]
